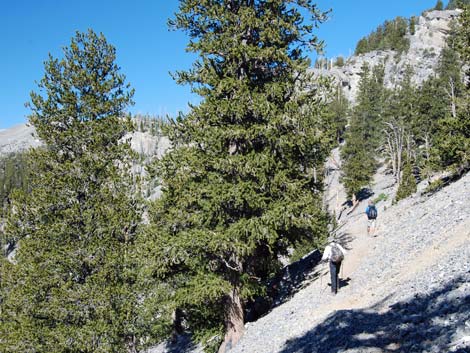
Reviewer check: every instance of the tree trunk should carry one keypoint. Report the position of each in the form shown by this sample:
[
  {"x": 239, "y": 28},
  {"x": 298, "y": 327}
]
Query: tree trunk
[
  {"x": 451, "y": 94},
  {"x": 178, "y": 329},
  {"x": 427, "y": 147},
  {"x": 355, "y": 202},
  {"x": 234, "y": 321},
  {"x": 399, "y": 167},
  {"x": 131, "y": 344}
]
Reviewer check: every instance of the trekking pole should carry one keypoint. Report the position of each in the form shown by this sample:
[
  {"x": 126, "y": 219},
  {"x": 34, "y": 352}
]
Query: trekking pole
[{"x": 321, "y": 281}]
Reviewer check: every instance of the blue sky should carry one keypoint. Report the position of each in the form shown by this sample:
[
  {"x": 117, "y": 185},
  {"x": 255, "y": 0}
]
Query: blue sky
[{"x": 146, "y": 50}]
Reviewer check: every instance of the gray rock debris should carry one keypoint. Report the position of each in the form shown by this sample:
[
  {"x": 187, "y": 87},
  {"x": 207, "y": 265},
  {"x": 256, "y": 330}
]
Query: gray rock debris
[{"x": 415, "y": 285}]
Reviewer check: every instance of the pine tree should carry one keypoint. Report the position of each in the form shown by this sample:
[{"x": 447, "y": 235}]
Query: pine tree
[
  {"x": 243, "y": 182},
  {"x": 13, "y": 175},
  {"x": 407, "y": 182},
  {"x": 424, "y": 126},
  {"x": 364, "y": 135},
  {"x": 70, "y": 288},
  {"x": 463, "y": 38},
  {"x": 339, "y": 62},
  {"x": 452, "y": 137},
  {"x": 412, "y": 25},
  {"x": 362, "y": 47},
  {"x": 339, "y": 109},
  {"x": 457, "y": 4},
  {"x": 439, "y": 5},
  {"x": 458, "y": 129}
]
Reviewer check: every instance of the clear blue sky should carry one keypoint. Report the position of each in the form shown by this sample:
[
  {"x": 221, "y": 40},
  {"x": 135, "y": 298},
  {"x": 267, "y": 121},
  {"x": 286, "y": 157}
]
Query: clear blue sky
[{"x": 146, "y": 50}]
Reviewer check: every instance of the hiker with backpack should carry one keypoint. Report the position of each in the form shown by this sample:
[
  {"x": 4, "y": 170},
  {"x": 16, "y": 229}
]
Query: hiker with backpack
[
  {"x": 371, "y": 212},
  {"x": 335, "y": 254}
]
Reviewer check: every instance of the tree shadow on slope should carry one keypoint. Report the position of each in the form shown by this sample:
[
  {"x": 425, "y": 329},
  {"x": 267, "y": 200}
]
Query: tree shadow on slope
[
  {"x": 362, "y": 195},
  {"x": 431, "y": 323},
  {"x": 290, "y": 280},
  {"x": 282, "y": 287},
  {"x": 182, "y": 343}
]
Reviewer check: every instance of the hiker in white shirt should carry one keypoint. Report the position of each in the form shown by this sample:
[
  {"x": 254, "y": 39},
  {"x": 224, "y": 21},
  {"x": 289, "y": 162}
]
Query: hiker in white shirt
[{"x": 335, "y": 254}]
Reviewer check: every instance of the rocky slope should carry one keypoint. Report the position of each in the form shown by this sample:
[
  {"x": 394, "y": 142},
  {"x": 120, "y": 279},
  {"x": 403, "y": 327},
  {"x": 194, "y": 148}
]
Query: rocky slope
[
  {"x": 426, "y": 44},
  {"x": 405, "y": 290}
]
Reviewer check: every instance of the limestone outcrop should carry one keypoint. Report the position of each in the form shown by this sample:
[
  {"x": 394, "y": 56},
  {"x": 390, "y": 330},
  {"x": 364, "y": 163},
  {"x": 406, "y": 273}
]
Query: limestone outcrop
[{"x": 431, "y": 31}]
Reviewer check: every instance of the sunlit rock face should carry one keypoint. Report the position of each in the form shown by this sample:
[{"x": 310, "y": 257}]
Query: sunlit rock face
[
  {"x": 18, "y": 138},
  {"x": 431, "y": 31}
]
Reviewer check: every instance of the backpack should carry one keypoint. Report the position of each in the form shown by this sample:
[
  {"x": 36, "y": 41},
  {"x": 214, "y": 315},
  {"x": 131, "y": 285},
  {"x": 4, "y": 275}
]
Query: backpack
[
  {"x": 372, "y": 212},
  {"x": 336, "y": 254}
]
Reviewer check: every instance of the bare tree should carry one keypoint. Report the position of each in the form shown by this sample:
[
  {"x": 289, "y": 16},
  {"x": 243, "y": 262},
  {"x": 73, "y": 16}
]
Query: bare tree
[
  {"x": 398, "y": 143},
  {"x": 451, "y": 93}
]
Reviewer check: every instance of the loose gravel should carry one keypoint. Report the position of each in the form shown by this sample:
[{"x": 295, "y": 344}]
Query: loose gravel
[
  {"x": 405, "y": 290},
  {"x": 410, "y": 291}
]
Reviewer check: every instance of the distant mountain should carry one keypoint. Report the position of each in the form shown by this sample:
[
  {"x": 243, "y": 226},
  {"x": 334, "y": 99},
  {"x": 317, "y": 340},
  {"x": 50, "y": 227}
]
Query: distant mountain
[
  {"x": 17, "y": 138},
  {"x": 425, "y": 44},
  {"x": 21, "y": 137}
]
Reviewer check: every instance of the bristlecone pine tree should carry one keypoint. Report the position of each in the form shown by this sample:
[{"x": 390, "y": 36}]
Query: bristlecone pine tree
[
  {"x": 363, "y": 137},
  {"x": 456, "y": 127},
  {"x": 69, "y": 287},
  {"x": 407, "y": 182},
  {"x": 447, "y": 138},
  {"x": 242, "y": 183},
  {"x": 398, "y": 117}
]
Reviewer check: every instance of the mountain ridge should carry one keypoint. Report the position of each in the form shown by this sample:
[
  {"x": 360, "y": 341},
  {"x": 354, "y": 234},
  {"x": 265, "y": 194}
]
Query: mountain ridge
[{"x": 432, "y": 29}]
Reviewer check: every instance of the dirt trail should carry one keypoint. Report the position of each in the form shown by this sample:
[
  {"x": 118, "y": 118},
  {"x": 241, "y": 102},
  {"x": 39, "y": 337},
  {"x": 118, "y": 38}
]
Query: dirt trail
[{"x": 360, "y": 246}]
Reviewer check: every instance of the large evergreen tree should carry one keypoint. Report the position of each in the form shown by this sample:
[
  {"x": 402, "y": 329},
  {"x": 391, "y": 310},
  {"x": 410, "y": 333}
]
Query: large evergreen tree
[
  {"x": 70, "y": 287},
  {"x": 452, "y": 140},
  {"x": 242, "y": 184},
  {"x": 364, "y": 134}
]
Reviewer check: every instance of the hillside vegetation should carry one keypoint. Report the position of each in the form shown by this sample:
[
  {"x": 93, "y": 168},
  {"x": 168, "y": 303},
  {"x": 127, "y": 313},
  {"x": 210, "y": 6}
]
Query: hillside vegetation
[
  {"x": 391, "y": 35},
  {"x": 405, "y": 124},
  {"x": 110, "y": 250}
]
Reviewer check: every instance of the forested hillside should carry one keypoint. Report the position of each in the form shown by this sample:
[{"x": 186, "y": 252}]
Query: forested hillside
[
  {"x": 416, "y": 134},
  {"x": 121, "y": 232}
]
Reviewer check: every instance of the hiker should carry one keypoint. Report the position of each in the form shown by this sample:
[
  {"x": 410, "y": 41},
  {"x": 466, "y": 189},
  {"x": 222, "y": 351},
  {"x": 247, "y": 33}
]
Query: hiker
[
  {"x": 371, "y": 212},
  {"x": 335, "y": 254}
]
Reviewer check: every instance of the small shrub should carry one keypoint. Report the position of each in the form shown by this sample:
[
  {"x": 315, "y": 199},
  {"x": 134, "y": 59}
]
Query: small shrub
[
  {"x": 339, "y": 61},
  {"x": 434, "y": 186},
  {"x": 381, "y": 197}
]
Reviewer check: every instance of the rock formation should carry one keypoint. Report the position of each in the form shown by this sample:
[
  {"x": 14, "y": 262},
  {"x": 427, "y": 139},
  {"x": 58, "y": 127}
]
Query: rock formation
[{"x": 426, "y": 44}]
